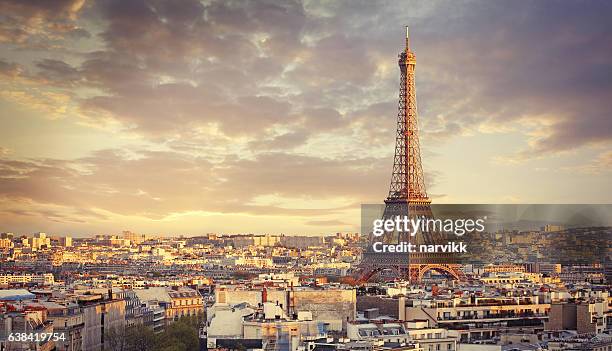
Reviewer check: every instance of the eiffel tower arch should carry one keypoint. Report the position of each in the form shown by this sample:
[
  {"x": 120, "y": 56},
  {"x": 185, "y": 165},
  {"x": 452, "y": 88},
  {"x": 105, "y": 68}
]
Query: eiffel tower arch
[{"x": 407, "y": 195}]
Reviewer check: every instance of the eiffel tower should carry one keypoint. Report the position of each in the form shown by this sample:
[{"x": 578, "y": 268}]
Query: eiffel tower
[{"x": 407, "y": 194}]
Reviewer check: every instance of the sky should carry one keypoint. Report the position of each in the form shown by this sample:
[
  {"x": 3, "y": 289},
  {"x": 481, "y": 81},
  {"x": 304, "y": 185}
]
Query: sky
[{"x": 189, "y": 117}]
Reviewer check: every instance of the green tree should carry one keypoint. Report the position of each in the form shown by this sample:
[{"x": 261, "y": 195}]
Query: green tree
[
  {"x": 140, "y": 338},
  {"x": 133, "y": 338},
  {"x": 180, "y": 336}
]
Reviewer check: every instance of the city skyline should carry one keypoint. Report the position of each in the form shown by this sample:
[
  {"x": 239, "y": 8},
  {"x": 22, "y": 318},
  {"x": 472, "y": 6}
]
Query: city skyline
[{"x": 191, "y": 117}]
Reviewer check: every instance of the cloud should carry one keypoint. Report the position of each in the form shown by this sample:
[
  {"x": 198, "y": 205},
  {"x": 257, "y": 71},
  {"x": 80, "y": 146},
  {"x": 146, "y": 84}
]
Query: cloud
[
  {"x": 155, "y": 185},
  {"x": 241, "y": 100},
  {"x": 600, "y": 165},
  {"x": 31, "y": 23},
  {"x": 53, "y": 105},
  {"x": 311, "y": 68},
  {"x": 533, "y": 60},
  {"x": 281, "y": 142},
  {"x": 327, "y": 223},
  {"x": 9, "y": 69},
  {"x": 57, "y": 72}
]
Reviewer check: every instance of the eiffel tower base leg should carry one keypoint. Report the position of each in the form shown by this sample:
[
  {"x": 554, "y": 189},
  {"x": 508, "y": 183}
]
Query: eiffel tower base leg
[{"x": 417, "y": 271}]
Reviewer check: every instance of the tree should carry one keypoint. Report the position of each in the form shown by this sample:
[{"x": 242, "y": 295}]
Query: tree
[
  {"x": 115, "y": 339},
  {"x": 179, "y": 336},
  {"x": 133, "y": 338},
  {"x": 140, "y": 338}
]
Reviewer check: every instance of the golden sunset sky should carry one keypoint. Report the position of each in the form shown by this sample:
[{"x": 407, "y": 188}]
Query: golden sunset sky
[{"x": 188, "y": 117}]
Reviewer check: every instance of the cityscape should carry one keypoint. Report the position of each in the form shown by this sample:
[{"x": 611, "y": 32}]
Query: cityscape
[
  {"x": 271, "y": 292},
  {"x": 255, "y": 275}
]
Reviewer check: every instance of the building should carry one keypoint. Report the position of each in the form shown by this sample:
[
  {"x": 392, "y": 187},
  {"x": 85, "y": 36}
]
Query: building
[
  {"x": 66, "y": 241},
  {"x": 39, "y": 241},
  {"x": 302, "y": 242},
  {"x": 6, "y": 244},
  {"x": 266, "y": 324},
  {"x": 599, "y": 342},
  {"x": 431, "y": 339},
  {"x": 333, "y": 306},
  {"x": 176, "y": 301},
  {"x": 40, "y": 279},
  {"x": 184, "y": 302},
  {"x": 499, "y": 268},
  {"x": 28, "y": 318},
  {"x": 100, "y": 315},
  {"x": 67, "y": 319},
  {"x": 582, "y": 316},
  {"x": 134, "y": 238},
  {"x": 552, "y": 228},
  {"x": 387, "y": 332},
  {"x": 477, "y": 318}
]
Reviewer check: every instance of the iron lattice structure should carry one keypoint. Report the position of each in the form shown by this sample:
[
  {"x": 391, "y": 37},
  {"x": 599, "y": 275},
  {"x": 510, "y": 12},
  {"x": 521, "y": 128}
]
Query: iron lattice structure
[
  {"x": 407, "y": 181},
  {"x": 407, "y": 192}
]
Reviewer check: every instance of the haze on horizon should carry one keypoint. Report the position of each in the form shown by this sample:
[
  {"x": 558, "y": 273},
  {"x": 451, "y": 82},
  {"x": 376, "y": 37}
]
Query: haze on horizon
[{"x": 278, "y": 117}]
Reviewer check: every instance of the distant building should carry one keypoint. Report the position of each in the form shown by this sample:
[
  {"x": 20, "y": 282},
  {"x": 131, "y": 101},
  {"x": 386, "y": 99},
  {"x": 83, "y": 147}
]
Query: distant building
[
  {"x": 552, "y": 228},
  {"x": 39, "y": 241},
  {"x": 266, "y": 240},
  {"x": 134, "y": 238},
  {"x": 40, "y": 279},
  {"x": 66, "y": 241},
  {"x": 506, "y": 268},
  {"x": 6, "y": 243},
  {"x": 302, "y": 242}
]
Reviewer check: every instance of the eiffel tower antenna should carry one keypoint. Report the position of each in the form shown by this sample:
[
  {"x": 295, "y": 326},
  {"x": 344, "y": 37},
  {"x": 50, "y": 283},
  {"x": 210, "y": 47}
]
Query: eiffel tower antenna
[{"x": 407, "y": 40}]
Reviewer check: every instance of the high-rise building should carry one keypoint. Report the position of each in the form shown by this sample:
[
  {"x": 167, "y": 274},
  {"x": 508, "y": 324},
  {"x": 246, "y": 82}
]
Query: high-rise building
[
  {"x": 40, "y": 241},
  {"x": 134, "y": 238},
  {"x": 6, "y": 243},
  {"x": 66, "y": 241}
]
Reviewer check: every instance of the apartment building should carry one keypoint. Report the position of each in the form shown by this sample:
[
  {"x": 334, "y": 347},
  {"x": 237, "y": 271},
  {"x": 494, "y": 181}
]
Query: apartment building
[
  {"x": 431, "y": 339},
  {"x": 184, "y": 302},
  {"x": 28, "y": 318},
  {"x": 477, "y": 318},
  {"x": 176, "y": 301},
  {"x": 587, "y": 316},
  {"x": 67, "y": 319},
  {"x": 100, "y": 315},
  {"x": 334, "y": 306},
  {"x": 40, "y": 279}
]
